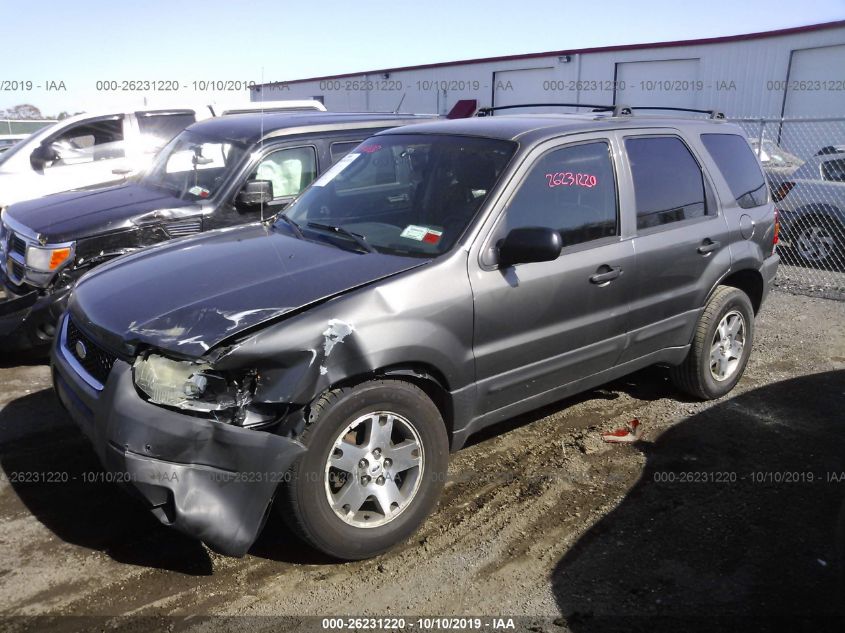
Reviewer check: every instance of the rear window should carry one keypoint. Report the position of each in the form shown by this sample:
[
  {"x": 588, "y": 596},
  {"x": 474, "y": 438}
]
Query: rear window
[
  {"x": 738, "y": 165},
  {"x": 668, "y": 185},
  {"x": 339, "y": 150}
]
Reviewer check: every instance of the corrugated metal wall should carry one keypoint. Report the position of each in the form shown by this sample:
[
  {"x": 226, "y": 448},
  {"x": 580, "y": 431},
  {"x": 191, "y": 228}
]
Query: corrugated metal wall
[{"x": 741, "y": 78}]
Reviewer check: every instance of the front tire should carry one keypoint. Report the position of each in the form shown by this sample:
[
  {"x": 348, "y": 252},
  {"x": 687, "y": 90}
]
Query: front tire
[
  {"x": 720, "y": 348},
  {"x": 376, "y": 463}
]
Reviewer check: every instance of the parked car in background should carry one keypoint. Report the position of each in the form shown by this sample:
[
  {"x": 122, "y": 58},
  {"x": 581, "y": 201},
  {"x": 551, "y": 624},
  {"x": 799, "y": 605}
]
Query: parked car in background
[
  {"x": 438, "y": 279},
  {"x": 811, "y": 208},
  {"x": 101, "y": 147},
  {"x": 217, "y": 173},
  {"x": 774, "y": 159},
  {"x": 8, "y": 140}
]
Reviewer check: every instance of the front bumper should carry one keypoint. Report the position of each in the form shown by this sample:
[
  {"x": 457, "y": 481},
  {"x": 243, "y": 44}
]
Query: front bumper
[
  {"x": 210, "y": 480},
  {"x": 29, "y": 319}
]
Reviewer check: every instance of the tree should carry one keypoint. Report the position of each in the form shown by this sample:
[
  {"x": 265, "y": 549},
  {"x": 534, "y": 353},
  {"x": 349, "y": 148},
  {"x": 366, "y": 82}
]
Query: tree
[{"x": 23, "y": 111}]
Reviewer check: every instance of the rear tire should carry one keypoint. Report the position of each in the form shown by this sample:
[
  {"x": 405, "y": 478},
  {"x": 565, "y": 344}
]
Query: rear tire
[
  {"x": 720, "y": 348},
  {"x": 376, "y": 463}
]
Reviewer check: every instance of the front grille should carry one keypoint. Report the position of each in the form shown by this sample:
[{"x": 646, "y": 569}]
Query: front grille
[
  {"x": 17, "y": 270},
  {"x": 181, "y": 228},
  {"x": 97, "y": 362},
  {"x": 17, "y": 245}
]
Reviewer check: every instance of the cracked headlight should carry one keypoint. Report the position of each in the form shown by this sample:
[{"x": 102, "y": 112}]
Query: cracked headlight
[{"x": 193, "y": 385}]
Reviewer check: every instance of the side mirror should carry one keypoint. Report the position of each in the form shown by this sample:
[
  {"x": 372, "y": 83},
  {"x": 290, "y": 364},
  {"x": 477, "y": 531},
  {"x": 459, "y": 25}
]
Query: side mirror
[
  {"x": 43, "y": 154},
  {"x": 255, "y": 193},
  {"x": 529, "y": 244}
]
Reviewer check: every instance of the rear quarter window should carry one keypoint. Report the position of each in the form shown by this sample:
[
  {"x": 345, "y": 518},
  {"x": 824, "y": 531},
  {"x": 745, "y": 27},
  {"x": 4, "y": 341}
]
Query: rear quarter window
[{"x": 739, "y": 167}]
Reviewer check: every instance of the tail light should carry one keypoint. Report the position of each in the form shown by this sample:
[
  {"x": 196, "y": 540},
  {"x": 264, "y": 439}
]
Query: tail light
[
  {"x": 776, "y": 236},
  {"x": 779, "y": 192}
]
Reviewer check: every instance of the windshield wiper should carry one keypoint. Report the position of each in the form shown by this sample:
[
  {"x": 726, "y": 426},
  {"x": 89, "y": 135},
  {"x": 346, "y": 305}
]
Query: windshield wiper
[
  {"x": 360, "y": 240},
  {"x": 293, "y": 226}
]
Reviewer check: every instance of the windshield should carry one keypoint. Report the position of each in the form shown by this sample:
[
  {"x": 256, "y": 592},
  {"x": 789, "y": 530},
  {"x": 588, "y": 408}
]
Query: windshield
[
  {"x": 409, "y": 194},
  {"x": 194, "y": 167}
]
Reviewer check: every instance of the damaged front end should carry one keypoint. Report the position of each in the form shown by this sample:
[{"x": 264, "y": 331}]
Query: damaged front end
[
  {"x": 195, "y": 387},
  {"x": 187, "y": 439}
]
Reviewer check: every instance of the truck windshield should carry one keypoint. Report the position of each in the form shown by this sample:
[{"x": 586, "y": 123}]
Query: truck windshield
[
  {"x": 194, "y": 167},
  {"x": 409, "y": 194}
]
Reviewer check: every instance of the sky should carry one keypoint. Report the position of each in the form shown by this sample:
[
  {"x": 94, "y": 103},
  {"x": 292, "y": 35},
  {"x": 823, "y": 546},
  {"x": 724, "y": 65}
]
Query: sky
[{"x": 81, "y": 42}]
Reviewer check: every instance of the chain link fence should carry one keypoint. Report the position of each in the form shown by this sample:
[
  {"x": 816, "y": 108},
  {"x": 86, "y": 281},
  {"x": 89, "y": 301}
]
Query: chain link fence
[{"x": 804, "y": 160}]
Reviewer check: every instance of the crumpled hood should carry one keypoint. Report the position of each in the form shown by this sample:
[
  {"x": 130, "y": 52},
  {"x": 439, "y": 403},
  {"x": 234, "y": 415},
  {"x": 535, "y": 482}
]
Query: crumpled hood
[
  {"x": 72, "y": 215},
  {"x": 189, "y": 295}
]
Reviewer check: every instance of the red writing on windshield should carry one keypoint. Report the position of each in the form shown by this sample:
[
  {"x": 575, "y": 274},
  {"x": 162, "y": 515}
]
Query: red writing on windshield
[
  {"x": 571, "y": 179},
  {"x": 369, "y": 149}
]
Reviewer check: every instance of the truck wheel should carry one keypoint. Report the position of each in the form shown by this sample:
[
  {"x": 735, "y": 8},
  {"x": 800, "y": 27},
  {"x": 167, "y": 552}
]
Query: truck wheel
[
  {"x": 376, "y": 463},
  {"x": 720, "y": 348}
]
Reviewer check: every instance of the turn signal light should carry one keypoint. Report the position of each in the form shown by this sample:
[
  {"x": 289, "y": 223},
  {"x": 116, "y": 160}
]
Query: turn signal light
[{"x": 58, "y": 257}]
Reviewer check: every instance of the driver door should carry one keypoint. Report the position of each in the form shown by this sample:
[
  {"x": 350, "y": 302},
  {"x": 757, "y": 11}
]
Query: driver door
[{"x": 541, "y": 325}]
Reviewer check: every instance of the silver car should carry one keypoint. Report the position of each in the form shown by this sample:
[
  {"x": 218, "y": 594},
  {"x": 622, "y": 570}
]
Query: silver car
[{"x": 811, "y": 207}]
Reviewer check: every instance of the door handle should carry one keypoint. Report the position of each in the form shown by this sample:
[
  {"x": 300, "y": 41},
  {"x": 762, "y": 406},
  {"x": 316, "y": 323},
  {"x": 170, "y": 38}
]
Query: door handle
[
  {"x": 607, "y": 274},
  {"x": 402, "y": 197},
  {"x": 708, "y": 246}
]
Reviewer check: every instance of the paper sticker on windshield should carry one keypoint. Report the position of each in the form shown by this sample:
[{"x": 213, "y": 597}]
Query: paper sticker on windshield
[
  {"x": 199, "y": 192},
  {"x": 421, "y": 234},
  {"x": 369, "y": 149},
  {"x": 335, "y": 169}
]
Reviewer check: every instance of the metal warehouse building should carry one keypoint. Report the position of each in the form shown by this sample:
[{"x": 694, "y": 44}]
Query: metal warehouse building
[{"x": 797, "y": 72}]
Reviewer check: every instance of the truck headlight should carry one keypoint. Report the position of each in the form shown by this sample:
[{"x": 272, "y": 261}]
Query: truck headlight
[
  {"x": 192, "y": 385},
  {"x": 46, "y": 259}
]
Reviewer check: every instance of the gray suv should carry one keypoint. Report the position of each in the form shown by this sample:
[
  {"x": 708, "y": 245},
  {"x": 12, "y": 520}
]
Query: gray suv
[{"x": 439, "y": 278}]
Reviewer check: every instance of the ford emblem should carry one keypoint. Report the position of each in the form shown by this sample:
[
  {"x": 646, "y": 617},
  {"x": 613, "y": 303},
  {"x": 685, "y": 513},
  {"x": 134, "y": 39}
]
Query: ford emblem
[{"x": 81, "y": 350}]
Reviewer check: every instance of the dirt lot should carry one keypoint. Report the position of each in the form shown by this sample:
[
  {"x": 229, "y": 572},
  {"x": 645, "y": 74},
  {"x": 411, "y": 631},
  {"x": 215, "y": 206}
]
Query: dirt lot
[{"x": 722, "y": 509}]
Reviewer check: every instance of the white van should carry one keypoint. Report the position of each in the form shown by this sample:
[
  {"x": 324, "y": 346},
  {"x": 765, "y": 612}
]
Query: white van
[{"x": 101, "y": 147}]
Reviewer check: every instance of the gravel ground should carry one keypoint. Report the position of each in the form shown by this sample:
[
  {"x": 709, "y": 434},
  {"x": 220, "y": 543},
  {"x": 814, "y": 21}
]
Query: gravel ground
[{"x": 724, "y": 509}]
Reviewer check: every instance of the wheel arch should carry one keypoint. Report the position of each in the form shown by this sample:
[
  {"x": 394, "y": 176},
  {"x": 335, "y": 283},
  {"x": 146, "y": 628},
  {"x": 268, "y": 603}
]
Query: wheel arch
[
  {"x": 423, "y": 375},
  {"x": 749, "y": 281}
]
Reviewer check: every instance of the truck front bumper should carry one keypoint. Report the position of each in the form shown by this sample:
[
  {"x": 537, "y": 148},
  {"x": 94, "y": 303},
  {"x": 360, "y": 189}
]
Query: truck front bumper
[
  {"x": 207, "y": 479},
  {"x": 29, "y": 319}
]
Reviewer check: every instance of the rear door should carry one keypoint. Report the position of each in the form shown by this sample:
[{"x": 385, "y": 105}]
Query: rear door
[
  {"x": 744, "y": 197},
  {"x": 541, "y": 325},
  {"x": 682, "y": 240}
]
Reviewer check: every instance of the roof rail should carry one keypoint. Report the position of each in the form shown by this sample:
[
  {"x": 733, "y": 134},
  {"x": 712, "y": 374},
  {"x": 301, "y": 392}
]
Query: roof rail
[
  {"x": 713, "y": 114},
  {"x": 617, "y": 109}
]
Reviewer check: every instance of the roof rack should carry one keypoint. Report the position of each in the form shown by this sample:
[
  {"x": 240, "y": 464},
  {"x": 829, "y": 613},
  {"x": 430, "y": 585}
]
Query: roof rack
[
  {"x": 713, "y": 114},
  {"x": 617, "y": 109}
]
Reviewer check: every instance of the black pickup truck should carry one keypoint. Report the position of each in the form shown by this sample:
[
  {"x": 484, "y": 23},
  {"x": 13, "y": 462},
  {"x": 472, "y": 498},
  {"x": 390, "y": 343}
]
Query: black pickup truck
[{"x": 217, "y": 173}]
